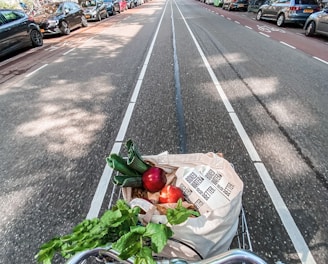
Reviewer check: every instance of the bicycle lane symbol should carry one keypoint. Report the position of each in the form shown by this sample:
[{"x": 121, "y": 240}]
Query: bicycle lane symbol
[{"x": 268, "y": 29}]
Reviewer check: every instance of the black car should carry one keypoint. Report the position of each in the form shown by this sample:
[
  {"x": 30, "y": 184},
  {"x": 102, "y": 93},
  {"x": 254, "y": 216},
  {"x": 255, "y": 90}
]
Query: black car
[
  {"x": 112, "y": 6},
  {"x": 17, "y": 31},
  {"x": 60, "y": 18}
]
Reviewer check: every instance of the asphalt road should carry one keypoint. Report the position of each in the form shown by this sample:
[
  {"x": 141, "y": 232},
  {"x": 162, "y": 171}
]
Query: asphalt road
[{"x": 260, "y": 102}]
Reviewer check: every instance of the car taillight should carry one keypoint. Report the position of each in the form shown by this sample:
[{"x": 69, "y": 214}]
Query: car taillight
[{"x": 294, "y": 8}]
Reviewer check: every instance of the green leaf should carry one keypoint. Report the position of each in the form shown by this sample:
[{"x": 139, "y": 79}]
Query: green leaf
[
  {"x": 111, "y": 218},
  {"x": 179, "y": 214},
  {"x": 159, "y": 234},
  {"x": 128, "y": 245},
  {"x": 144, "y": 256}
]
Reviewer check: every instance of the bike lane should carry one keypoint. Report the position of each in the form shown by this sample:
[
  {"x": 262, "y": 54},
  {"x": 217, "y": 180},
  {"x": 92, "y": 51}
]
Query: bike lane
[{"x": 311, "y": 46}]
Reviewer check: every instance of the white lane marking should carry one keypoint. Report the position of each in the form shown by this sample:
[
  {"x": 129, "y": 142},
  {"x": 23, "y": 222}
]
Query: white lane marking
[
  {"x": 125, "y": 122},
  {"x": 101, "y": 190},
  {"x": 300, "y": 245},
  {"x": 320, "y": 59},
  {"x": 248, "y": 27},
  {"x": 106, "y": 176},
  {"x": 295, "y": 235},
  {"x": 265, "y": 35},
  {"x": 65, "y": 53},
  {"x": 244, "y": 137},
  {"x": 237, "y": 22},
  {"x": 286, "y": 44},
  {"x": 31, "y": 73}
]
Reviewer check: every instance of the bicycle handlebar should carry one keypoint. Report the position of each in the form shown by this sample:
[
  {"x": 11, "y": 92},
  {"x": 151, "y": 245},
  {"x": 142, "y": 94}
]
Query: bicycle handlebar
[{"x": 229, "y": 257}]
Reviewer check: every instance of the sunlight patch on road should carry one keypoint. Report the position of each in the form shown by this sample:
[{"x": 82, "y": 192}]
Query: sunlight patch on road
[
  {"x": 277, "y": 148},
  {"x": 12, "y": 205},
  {"x": 289, "y": 113},
  {"x": 63, "y": 119},
  {"x": 62, "y": 131},
  {"x": 236, "y": 57}
]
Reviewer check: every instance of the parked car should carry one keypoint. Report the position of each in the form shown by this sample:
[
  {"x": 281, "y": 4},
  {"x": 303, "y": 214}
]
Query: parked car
[
  {"x": 17, "y": 31},
  {"x": 218, "y": 3},
  {"x": 112, "y": 6},
  {"x": 287, "y": 11},
  {"x": 123, "y": 5},
  {"x": 138, "y": 2},
  {"x": 60, "y": 18},
  {"x": 130, "y": 4},
  {"x": 254, "y": 5},
  {"x": 235, "y": 5},
  {"x": 94, "y": 10},
  {"x": 317, "y": 23}
]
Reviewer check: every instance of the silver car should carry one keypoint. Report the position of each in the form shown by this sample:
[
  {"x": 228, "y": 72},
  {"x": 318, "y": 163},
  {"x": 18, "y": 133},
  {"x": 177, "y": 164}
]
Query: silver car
[
  {"x": 287, "y": 11},
  {"x": 317, "y": 23}
]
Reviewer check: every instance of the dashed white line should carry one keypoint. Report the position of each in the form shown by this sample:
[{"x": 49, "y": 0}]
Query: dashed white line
[
  {"x": 65, "y": 53},
  {"x": 237, "y": 22},
  {"x": 286, "y": 44},
  {"x": 265, "y": 35},
  {"x": 28, "y": 75},
  {"x": 248, "y": 27},
  {"x": 326, "y": 62}
]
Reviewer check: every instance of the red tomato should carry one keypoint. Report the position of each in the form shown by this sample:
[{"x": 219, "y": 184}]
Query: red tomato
[{"x": 170, "y": 194}]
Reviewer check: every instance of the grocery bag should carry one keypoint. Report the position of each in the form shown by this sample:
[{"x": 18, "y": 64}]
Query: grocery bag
[{"x": 211, "y": 184}]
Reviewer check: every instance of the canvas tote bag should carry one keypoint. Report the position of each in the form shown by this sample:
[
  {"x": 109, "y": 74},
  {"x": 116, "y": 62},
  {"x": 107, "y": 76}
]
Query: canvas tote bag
[{"x": 212, "y": 185}]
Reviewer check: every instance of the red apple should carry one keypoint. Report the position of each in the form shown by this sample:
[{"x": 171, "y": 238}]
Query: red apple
[
  {"x": 170, "y": 194},
  {"x": 153, "y": 179}
]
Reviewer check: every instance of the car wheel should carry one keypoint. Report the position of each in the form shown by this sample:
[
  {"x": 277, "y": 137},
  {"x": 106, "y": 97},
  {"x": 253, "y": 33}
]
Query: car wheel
[
  {"x": 259, "y": 15},
  {"x": 84, "y": 21},
  {"x": 64, "y": 28},
  {"x": 36, "y": 38},
  {"x": 310, "y": 29},
  {"x": 281, "y": 20}
]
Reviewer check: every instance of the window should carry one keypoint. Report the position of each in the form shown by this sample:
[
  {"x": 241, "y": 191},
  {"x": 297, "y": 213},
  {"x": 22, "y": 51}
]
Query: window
[{"x": 11, "y": 15}]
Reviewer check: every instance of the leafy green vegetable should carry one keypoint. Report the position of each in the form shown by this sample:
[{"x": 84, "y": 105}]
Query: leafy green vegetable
[
  {"x": 120, "y": 228},
  {"x": 179, "y": 214},
  {"x": 92, "y": 233},
  {"x": 136, "y": 242}
]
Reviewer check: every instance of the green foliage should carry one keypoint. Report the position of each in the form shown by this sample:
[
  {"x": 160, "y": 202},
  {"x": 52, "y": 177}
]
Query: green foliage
[
  {"x": 91, "y": 233},
  {"x": 141, "y": 241},
  {"x": 9, "y": 4},
  {"x": 179, "y": 214},
  {"x": 118, "y": 227}
]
